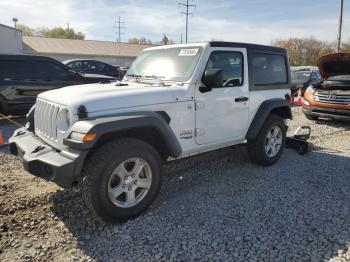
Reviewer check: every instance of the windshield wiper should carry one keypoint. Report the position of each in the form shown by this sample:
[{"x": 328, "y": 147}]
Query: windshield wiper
[{"x": 137, "y": 77}]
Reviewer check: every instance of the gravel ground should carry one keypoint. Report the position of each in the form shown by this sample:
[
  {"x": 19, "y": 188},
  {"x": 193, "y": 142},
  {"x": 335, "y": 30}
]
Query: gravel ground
[{"x": 213, "y": 207}]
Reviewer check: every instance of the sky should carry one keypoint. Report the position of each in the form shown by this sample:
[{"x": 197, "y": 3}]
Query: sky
[{"x": 254, "y": 21}]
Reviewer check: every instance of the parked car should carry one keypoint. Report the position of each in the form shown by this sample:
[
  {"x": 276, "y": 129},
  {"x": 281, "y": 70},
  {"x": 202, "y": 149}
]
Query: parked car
[
  {"x": 23, "y": 77},
  {"x": 176, "y": 101},
  {"x": 301, "y": 79},
  {"x": 331, "y": 97},
  {"x": 89, "y": 66},
  {"x": 123, "y": 71}
]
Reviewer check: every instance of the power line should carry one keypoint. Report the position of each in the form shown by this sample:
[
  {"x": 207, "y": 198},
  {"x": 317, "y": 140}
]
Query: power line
[
  {"x": 340, "y": 24},
  {"x": 187, "y": 6},
  {"x": 118, "y": 26}
]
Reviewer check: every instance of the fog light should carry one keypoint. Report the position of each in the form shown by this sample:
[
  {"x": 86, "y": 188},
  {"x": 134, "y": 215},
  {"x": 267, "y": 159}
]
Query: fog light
[{"x": 306, "y": 102}]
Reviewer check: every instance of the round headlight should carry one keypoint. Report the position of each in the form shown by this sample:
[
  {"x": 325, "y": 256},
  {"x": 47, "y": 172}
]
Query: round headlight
[{"x": 63, "y": 122}]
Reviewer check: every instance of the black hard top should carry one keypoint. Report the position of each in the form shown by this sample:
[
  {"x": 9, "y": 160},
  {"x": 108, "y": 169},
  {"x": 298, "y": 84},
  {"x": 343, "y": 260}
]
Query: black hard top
[{"x": 247, "y": 45}]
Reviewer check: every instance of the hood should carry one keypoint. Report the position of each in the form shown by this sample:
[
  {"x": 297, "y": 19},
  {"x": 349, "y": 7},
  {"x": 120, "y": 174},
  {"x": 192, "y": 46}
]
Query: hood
[
  {"x": 109, "y": 97},
  {"x": 96, "y": 76},
  {"x": 334, "y": 65}
]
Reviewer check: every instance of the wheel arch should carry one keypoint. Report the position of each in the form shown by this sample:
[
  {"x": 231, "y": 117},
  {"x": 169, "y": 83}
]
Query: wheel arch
[
  {"x": 277, "y": 106},
  {"x": 151, "y": 127}
]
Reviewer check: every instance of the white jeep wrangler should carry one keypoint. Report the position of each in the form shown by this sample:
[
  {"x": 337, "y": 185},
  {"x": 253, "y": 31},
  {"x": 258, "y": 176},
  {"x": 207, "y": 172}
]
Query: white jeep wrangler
[{"x": 175, "y": 101}]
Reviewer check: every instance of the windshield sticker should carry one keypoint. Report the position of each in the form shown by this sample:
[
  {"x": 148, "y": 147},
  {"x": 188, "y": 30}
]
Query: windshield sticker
[{"x": 188, "y": 52}]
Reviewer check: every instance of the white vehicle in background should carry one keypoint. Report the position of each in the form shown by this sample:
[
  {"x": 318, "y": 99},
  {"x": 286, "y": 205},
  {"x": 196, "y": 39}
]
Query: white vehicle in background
[{"x": 175, "y": 101}]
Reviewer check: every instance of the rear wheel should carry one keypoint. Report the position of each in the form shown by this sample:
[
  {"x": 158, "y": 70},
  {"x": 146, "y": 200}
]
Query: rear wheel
[
  {"x": 269, "y": 145},
  {"x": 122, "y": 178}
]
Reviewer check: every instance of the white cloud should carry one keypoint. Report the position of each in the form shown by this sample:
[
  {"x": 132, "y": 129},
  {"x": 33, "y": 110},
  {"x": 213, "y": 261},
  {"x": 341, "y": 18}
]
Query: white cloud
[{"x": 151, "y": 19}]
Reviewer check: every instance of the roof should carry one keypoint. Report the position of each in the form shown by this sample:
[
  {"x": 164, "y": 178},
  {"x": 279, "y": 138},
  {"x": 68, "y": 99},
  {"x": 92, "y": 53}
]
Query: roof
[
  {"x": 43, "y": 45},
  {"x": 247, "y": 45},
  {"x": 10, "y": 27},
  {"x": 224, "y": 44}
]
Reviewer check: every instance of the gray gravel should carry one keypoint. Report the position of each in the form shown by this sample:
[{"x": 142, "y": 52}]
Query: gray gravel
[{"x": 214, "y": 207}]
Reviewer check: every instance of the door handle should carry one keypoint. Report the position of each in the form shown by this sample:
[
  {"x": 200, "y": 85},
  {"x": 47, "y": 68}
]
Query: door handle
[{"x": 241, "y": 99}]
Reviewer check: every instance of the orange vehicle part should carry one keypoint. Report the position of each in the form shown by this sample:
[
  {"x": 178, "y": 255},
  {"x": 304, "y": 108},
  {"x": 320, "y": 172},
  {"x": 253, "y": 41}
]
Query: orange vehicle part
[{"x": 310, "y": 98}]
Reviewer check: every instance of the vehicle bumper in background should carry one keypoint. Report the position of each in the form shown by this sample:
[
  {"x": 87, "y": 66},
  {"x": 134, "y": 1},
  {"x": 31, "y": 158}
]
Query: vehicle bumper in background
[
  {"x": 327, "y": 112},
  {"x": 61, "y": 167}
]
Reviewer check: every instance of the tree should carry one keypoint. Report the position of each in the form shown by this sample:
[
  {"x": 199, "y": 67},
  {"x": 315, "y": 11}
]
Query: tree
[
  {"x": 166, "y": 40},
  {"x": 26, "y": 30},
  {"x": 59, "y": 32},
  {"x": 140, "y": 41},
  {"x": 305, "y": 51},
  {"x": 56, "y": 32},
  {"x": 345, "y": 47}
]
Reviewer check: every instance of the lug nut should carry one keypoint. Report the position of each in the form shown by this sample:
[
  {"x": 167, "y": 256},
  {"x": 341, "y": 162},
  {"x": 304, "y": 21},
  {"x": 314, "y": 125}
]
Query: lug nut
[
  {"x": 124, "y": 185},
  {"x": 126, "y": 177},
  {"x": 135, "y": 182},
  {"x": 129, "y": 188}
]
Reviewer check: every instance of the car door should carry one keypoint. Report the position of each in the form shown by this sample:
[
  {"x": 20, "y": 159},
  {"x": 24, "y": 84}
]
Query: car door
[
  {"x": 18, "y": 80},
  {"x": 222, "y": 113},
  {"x": 90, "y": 67},
  {"x": 52, "y": 76}
]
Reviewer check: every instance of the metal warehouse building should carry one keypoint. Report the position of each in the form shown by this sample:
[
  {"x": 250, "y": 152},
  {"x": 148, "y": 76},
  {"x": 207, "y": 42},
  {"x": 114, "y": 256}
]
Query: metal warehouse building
[{"x": 122, "y": 54}]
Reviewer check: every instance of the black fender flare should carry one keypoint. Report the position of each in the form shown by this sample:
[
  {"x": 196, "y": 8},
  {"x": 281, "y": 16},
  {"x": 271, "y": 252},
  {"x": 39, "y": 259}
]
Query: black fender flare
[
  {"x": 123, "y": 122},
  {"x": 263, "y": 112}
]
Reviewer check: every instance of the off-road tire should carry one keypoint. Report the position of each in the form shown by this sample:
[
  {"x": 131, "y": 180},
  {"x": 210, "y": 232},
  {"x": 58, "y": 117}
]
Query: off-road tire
[
  {"x": 256, "y": 147},
  {"x": 98, "y": 169}
]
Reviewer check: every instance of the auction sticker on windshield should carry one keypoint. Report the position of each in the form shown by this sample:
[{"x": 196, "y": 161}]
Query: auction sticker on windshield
[{"x": 188, "y": 52}]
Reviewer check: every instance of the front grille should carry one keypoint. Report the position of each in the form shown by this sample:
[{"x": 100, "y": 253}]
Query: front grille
[
  {"x": 338, "y": 97},
  {"x": 45, "y": 119}
]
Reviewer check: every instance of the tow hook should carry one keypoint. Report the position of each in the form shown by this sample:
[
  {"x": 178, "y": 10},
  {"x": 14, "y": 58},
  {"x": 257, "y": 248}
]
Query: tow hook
[
  {"x": 299, "y": 140},
  {"x": 37, "y": 149}
]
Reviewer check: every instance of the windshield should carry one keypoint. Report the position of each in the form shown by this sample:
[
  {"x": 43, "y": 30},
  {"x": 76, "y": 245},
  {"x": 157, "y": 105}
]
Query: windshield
[
  {"x": 176, "y": 64},
  {"x": 300, "y": 77},
  {"x": 339, "y": 78}
]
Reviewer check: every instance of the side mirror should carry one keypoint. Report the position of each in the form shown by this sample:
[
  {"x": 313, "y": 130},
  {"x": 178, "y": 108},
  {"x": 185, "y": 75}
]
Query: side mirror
[
  {"x": 213, "y": 78},
  {"x": 72, "y": 74}
]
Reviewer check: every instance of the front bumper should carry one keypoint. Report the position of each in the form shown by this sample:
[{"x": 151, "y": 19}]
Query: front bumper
[
  {"x": 327, "y": 112},
  {"x": 62, "y": 167}
]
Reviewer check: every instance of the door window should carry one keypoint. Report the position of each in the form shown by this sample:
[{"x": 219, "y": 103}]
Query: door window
[
  {"x": 51, "y": 71},
  {"x": 90, "y": 66},
  {"x": 76, "y": 66},
  {"x": 16, "y": 70},
  {"x": 232, "y": 65},
  {"x": 269, "y": 69}
]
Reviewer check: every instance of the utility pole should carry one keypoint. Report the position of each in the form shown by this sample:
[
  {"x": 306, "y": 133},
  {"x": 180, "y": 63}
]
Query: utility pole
[
  {"x": 340, "y": 24},
  {"x": 118, "y": 26},
  {"x": 187, "y": 5}
]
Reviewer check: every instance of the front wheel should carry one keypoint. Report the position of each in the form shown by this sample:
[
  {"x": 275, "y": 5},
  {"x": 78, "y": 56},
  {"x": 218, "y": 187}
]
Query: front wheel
[
  {"x": 122, "y": 179},
  {"x": 269, "y": 145}
]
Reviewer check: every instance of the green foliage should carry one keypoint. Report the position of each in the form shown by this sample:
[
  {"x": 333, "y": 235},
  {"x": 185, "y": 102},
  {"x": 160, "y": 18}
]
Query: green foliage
[
  {"x": 59, "y": 32},
  {"x": 140, "y": 41},
  {"x": 27, "y": 31},
  {"x": 56, "y": 32}
]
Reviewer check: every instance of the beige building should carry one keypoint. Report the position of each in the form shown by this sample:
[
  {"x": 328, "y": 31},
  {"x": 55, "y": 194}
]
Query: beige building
[
  {"x": 122, "y": 54},
  {"x": 10, "y": 40},
  {"x": 63, "y": 49}
]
